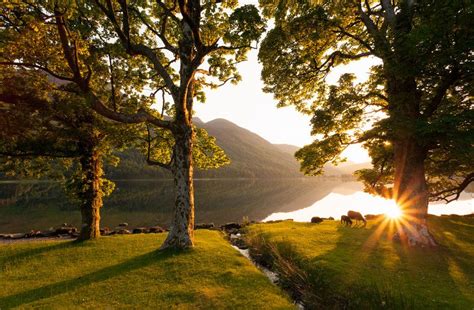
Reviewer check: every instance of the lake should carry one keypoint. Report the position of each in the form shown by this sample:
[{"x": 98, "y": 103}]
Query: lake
[{"x": 41, "y": 205}]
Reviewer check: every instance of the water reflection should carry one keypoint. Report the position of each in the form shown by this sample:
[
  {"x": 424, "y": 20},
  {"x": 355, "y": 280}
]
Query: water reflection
[
  {"x": 145, "y": 203},
  {"x": 349, "y": 196},
  {"x": 29, "y": 206}
]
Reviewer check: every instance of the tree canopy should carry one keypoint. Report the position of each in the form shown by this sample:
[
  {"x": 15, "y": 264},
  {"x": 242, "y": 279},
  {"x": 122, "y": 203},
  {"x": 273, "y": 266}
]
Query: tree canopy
[
  {"x": 143, "y": 49},
  {"x": 424, "y": 50}
]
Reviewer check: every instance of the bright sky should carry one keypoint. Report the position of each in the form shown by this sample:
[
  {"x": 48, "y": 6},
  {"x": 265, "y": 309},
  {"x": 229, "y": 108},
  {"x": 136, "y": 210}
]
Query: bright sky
[{"x": 248, "y": 106}]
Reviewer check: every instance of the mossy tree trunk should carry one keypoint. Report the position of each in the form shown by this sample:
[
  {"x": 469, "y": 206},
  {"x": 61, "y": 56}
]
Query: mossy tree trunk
[
  {"x": 181, "y": 234},
  {"x": 91, "y": 194}
]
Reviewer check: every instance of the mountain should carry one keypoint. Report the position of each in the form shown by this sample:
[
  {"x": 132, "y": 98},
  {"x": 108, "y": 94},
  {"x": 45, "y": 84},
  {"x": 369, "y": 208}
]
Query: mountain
[
  {"x": 349, "y": 167},
  {"x": 287, "y": 148},
  {"x": 251, "y": 157},
  {"x": 341, "y": 169}
]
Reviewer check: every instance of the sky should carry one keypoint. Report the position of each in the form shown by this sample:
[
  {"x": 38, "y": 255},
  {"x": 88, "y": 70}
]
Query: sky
[{"x": 246, "y": 105}]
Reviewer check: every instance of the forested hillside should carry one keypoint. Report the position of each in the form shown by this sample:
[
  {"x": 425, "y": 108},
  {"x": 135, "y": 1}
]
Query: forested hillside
[{"x": 251, "y": 157}]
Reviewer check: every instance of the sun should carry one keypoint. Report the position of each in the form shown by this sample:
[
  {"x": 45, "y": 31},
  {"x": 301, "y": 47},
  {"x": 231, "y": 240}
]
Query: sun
[{"x": 393, "y": 212}]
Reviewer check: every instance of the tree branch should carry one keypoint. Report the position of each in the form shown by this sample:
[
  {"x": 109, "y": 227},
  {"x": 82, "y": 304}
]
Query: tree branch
[
  {"x": 356, "y": 38},
  {"x": 55, "y": 154},
  {"x": 160, "y": 35},
  {"x": 454, "y": 191},
  {"x": 372, "y": 29},
  {"x": 440, "y": 92},
  {"x": 148, "y": 158},
  {"x": 137, "y": 49},
  {"x": 30, "y": 65}
]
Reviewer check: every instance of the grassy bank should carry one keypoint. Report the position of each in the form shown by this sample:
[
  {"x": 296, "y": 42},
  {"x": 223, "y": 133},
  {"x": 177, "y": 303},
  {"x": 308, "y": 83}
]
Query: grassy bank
[
  {"x": 128, "y": 272},
  {"x": 332, "y": 265}
]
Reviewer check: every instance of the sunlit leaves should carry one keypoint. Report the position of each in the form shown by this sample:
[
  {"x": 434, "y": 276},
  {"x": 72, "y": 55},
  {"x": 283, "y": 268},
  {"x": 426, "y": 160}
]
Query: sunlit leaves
[
  {"x": 427, "y": 47},
  {"x": 207, "y": 154}
]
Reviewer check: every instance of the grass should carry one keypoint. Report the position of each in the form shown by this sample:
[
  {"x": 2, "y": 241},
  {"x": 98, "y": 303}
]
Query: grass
[
  {"x": 127, "y": 272},
  {"x": 329, "y": 264}
]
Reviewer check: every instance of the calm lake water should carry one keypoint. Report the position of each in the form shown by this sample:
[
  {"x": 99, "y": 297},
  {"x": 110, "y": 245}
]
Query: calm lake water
[{"x": 26, "y": 206}]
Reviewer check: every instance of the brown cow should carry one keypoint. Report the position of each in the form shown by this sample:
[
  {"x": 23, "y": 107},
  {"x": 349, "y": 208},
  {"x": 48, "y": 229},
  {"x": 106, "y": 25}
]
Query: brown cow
[
  {"x": 346, "y": 220},
  {"x": 357, "y": 217}
]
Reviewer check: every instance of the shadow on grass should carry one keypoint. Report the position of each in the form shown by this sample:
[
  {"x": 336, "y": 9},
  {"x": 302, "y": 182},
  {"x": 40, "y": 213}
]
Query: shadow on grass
[
  {"x": 385, "y": 273},
  {"x": 38, "y": 249},
  {"x": 365, "y": 270},
  {"x": 65, "y": 286}
]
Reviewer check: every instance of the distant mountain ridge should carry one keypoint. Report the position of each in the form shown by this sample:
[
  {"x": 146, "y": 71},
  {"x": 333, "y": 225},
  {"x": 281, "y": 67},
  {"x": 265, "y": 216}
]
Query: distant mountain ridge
[{"x": 251, "y": 157}]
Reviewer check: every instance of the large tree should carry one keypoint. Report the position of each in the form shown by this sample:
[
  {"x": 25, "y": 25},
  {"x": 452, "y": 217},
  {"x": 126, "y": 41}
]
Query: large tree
[
  {"x": 414, "y": 114},
  {"x": 162, "y": 45},
  {"x": 47, "y": 131}
]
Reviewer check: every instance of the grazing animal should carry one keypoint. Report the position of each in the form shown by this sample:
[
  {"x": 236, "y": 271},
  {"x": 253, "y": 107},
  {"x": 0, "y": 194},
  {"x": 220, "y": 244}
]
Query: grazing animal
[
  {"x": 357, "y": 217},
  {"x": 346, "y": 220},
  {"x": 316, "y": 220}
]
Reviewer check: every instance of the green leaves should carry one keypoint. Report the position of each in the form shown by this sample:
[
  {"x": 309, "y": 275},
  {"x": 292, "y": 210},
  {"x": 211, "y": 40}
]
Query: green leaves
[
  {"x": 206, "y": 153},
  {"x": 245, "y": 26},
  {"x": 422, "y": 89}
]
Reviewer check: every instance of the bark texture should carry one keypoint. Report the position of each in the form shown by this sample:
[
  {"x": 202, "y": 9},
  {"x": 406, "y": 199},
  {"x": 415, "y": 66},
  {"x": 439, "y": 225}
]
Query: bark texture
[
  {"x": 91, "y": 195},
  {"x": 181, "y": 234},
  {"x": 411, "y": 192},
  {"x": 410, "y": 186}
]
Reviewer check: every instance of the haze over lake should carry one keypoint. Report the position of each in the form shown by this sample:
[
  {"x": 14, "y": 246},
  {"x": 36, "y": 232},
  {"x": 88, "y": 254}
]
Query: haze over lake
[{"x": 25, "y": 206}]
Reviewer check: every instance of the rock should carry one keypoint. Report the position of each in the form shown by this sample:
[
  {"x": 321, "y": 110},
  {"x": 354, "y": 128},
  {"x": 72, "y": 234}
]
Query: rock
[
  {"x": 105, "y": 231},
  {"x": 5, "y": 236},
  {"x": 231, "y": 226},
  {"x": 66, "y": 230},
  {"x": 123, "y": 225},
  {"x": 156, "y": 229},
  {"x": 233, "y": 231},
  {"x": 316, "y": 220},
  {"x": 33, "y": 234},
  {"x": 240, "y": 243},
  {"x": 140, "y": 230},
  {"x": 47, "y": 234},
  {"x": 235, "y": 236},
  {"x": 123, "y": 232},
  {"x": 17, "y": 236},
  {"x": 204, "y": 226}
]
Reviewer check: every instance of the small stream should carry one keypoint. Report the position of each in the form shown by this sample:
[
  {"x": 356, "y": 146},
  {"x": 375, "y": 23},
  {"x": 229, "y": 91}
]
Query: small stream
[{"x": 272, "y": 276}]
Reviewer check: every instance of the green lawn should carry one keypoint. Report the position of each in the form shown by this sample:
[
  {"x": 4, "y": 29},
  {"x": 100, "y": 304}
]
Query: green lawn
[
  {"x": 359, "y": 267},
  {"x": 128, "y": 272}
]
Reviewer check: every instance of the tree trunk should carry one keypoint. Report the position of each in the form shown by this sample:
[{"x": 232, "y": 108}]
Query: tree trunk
[
  {"x": 411, "y": 193},
  {"x": 91, "y": 195},
  {"x": 410, "y": 187},
  {"x": 181, "y": 234}
]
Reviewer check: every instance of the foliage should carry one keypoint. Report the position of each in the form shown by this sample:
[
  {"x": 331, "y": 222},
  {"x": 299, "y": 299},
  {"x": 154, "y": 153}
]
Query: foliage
[
  {"x": 50, "y": 144},
  {"x": 420, "y": 84}
]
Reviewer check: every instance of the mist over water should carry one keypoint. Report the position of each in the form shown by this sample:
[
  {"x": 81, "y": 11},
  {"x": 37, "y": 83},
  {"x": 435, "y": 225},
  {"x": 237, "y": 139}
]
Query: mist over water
[{"x": 26, "y": 206}]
